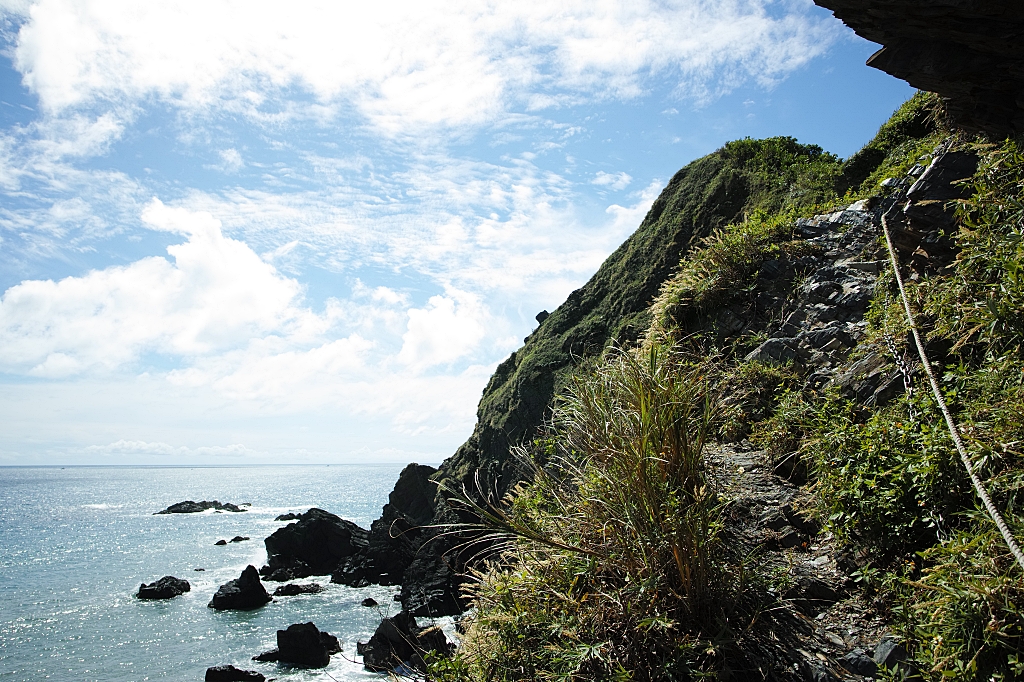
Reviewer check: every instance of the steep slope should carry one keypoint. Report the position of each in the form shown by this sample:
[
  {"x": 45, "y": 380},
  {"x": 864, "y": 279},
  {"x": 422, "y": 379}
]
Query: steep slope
[{"x": 742, "y": 177}]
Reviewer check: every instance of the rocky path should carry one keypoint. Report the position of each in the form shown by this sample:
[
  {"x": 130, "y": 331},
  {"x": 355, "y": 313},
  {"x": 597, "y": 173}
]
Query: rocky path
[{"x": 821, "y": 625}]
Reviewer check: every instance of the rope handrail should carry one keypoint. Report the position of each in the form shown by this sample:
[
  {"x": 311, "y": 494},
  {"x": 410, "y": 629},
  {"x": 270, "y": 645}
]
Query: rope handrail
[{"x": 979, "y": 487}]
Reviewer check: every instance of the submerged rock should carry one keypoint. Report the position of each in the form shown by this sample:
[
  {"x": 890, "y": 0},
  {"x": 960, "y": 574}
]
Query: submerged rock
[
  {"x": 190, "y": 507},
  {"x": 238, "y": 538},
  {"x": 245, "y": 593},
  {"x": 221, "y": 543},
  {"x": 165, "y": 588},
  {"x": 302, "y": 644},
  {"x": 229, "y": 673}
]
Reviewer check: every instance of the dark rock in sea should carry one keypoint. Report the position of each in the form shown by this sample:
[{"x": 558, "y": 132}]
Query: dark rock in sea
[
  {"x": 290, "y": 516},
  {"x": 302, "y": 644},
  {"x": 190, "y": 507},
  {"x": 396, "y": 537},
  {"x": 239, "y": 538},
  {"x": 165, "y": 588},
  {"x": 971, "y": 53},
  {"x": 315, "y": 545},
  {"x": 229, "y": 673},
  {"x": 245, "y": 593},
  {"x": 297, "y": 588},
  {"x": 399, "y": 641},
  {"x": 221, "y": 542},
  {"x": 369, "y": 601},
  {"x": 198, "y": 569}
]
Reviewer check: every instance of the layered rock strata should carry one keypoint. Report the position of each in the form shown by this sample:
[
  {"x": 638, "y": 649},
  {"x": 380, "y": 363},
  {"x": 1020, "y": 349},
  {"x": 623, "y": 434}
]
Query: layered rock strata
[{"x": 969, "y": 51}]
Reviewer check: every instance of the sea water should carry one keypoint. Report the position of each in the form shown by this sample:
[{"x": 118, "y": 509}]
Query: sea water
[{"x": 76, "y": 542}]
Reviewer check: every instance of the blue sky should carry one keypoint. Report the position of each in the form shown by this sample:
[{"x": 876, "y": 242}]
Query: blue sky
[{"x": 240, "y": 232}]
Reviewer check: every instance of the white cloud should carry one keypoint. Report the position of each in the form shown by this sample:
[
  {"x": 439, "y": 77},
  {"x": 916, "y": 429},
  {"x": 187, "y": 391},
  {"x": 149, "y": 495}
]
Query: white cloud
[
  {"x": 615, "y": 181},
  {"x": 407, "y": 63},
  {"x": 216, "y": 294},
  {"x": 141, "y": 447},
  {"x": 446, "y": 330}
]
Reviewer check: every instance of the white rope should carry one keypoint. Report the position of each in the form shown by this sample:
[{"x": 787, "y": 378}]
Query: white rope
[{"x": 978, "y": 485}]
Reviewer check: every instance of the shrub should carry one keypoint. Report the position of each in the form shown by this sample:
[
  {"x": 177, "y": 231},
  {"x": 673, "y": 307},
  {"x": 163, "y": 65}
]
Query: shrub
[{"x": 613, "y": 566}]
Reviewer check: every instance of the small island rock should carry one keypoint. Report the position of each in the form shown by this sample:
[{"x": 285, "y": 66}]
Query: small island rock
[
  {"x": 190, "y": 507},
  {"x": 297, "y": 588},
  {"x": 302, "y": 644},
  {"x": 165, "y": 588},
  {"x": 315, "y": 545},
  {"x": 221, "y": 542},
  {"x": 290, "y": 516},
  {"x": 239, "y": 538},
  {"x": 245, "y": 593},
  {"x": 369, "y": 601},
  {"x": 229, "y": 673},
  {"x": 398, "y": 642}
]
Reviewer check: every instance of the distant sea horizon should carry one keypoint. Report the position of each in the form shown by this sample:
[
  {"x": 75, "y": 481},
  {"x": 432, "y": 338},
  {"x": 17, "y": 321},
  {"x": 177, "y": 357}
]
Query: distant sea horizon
[{"x": 77, "y": 540}]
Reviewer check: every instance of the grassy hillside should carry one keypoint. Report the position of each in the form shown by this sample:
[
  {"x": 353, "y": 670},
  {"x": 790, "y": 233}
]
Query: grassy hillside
[
  {"x": 617, "y": 564},
  {"x": 742, "y": 178}
]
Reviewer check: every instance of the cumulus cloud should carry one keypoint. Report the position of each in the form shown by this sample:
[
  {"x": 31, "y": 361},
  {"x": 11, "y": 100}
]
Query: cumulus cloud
[
  {"x": 615, "y": 181},
  {"x": 407, "y": 63},
  {"x": 214, "y": 293}
]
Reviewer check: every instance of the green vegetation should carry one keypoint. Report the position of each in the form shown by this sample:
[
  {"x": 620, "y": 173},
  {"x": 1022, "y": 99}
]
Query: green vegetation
[
  {"x": 615, "y": 565},
  {"x": 753, "y": 178}
]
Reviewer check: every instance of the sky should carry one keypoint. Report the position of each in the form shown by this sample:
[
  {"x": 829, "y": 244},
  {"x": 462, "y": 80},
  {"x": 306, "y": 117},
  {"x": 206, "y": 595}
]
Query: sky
[{"x": 240, "y": 232}]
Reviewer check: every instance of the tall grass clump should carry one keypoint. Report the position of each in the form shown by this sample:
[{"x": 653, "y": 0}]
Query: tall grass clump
[{"x": 613, "y": 566}]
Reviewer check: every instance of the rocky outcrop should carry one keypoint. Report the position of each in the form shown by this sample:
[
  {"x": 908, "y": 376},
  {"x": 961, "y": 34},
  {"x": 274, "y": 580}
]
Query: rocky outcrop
[
  {"x": 969, "y": 51},
  {"x": 398, "y": 642},
  {"x": 190, "y": 507},
  {"x": 229, "y": 673},
  {"x": 290, "y": 516},
  {"x": 294, "y": 589},
  {"x": 397, "y": 535},
  {"x": 165, "y": 588},
  {"x": 302, "y": 644},
  {"x": 244, "y": 593},
  {"x": 316, "y": 544}
]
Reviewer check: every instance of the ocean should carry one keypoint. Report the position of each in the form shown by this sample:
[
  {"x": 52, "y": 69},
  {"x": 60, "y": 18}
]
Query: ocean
[{"x": 76, "y": 542}]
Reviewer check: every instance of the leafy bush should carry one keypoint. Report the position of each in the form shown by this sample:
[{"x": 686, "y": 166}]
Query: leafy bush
[{"x": 614, "y": 567}]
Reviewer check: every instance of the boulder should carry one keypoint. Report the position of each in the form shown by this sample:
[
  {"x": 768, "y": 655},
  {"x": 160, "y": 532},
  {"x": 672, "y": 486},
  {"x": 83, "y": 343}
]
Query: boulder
[
  {"x": 290, "y": 516},
  {"x": 302, "y": 644},
  {"x": 296, "y": 588},
  {"x": 238, "y": 538},
  {"x": 229, "y": 673},
  {"x": 398, "y": 641},
  {"x": 165, "y": 588},
  {"x": 190, "y": 507},
  {"x": 244, "y": 593},
  {"x": 370, "y": 601},
  {"x": 221, "y": 543},
  {"x": 314, "y": 545}
]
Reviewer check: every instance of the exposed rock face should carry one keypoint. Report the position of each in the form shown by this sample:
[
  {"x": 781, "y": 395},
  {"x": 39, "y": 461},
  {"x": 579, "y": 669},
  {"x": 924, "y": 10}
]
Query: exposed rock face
[
  {"x": 244, "y": 593},
  {"x": 399, "y": 641},
  {"x": 229, "y": 673},
  {"x": 303, "y": 644},
  {"x": 314, "y": 545},
  {"x": 395, "y": 537},
  {"x": 969, "y": 51},
  {"x": 165, "y": 588},
  {"x": 190, "y": 507},
  {"x": 296, "y": 588}
]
